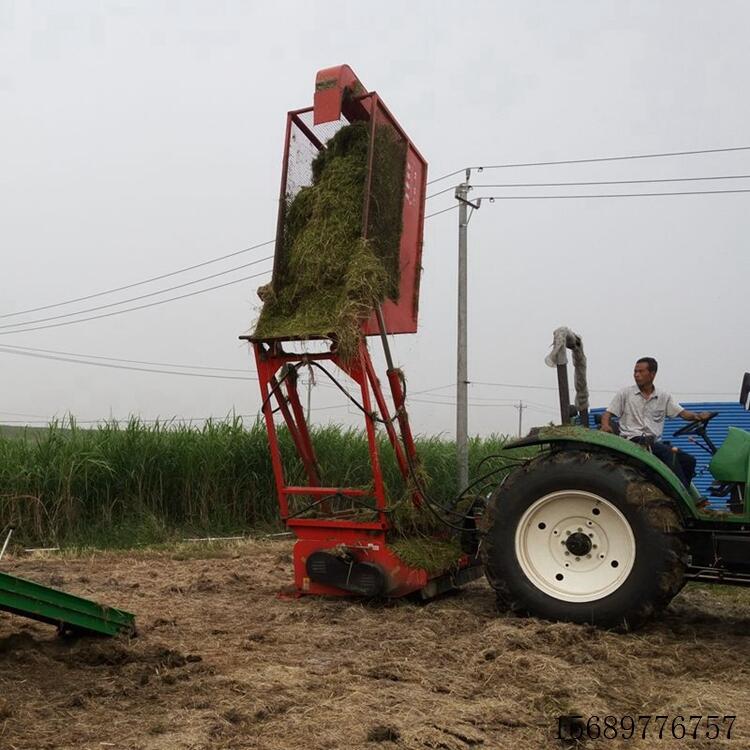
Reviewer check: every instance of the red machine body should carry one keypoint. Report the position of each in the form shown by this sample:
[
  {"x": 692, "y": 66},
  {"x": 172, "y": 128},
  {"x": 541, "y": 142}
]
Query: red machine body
[{"x": 336, "y": 554}]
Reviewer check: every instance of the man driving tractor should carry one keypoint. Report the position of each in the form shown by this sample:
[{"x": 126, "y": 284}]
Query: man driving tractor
[{"x": 641, "y": 410}]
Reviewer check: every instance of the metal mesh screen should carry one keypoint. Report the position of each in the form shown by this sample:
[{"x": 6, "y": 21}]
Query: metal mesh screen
[
  {"x": 302, "y": 151},
  {"x": 338, "y": 250},
  {"x": 384, "y": 202}
]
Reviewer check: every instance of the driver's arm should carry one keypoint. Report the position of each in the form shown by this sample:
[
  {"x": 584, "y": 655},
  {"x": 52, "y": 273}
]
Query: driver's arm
[
  {"x": 691, "y": 416},
  {"x": 606, "y": 426}
]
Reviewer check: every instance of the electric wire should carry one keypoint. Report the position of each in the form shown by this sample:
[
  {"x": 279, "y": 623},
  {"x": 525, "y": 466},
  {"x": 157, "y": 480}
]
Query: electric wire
[
  {"x": 139, "y": 297},
  {"x": 611, "y": 182},
  {"x": 627, "y": 157},
  {"x": 139, "y": 283},
  {"x": 112, "y": 366},
  {"x": 493, "y": 198},
  {"x": 82, "y": 359},
  {"x": 138, "y": 307},
  {"x": 595, "y": 182},
  {"x": 595, "y": 390},
  {"x": 121, "y": 359},
  {"x": 21, "y": 327},
  {"x": 116, "y": 420},
  {"x": 445, "y": 210}
]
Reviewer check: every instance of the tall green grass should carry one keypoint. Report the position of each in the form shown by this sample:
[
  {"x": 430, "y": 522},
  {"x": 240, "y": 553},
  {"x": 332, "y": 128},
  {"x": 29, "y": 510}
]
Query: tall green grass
[{"x": 123, "y": 484}]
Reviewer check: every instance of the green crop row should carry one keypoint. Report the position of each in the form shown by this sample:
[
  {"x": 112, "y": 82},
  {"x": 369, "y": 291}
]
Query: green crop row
[{"x": 123, "y": 484}]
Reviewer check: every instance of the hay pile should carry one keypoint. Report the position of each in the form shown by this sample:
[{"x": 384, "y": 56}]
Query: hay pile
[{"x": 330, "y": 275}]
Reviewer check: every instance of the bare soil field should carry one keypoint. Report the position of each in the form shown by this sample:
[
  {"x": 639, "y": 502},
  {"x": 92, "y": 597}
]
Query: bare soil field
[{"x": 221, "y": 661}]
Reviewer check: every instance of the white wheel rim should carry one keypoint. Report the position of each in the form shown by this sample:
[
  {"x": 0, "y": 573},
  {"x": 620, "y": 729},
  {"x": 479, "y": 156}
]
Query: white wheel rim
[{"x": 554, "y": 554}]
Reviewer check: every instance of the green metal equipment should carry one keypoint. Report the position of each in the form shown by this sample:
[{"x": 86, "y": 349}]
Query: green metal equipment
[{"x": 71, "y": 614}]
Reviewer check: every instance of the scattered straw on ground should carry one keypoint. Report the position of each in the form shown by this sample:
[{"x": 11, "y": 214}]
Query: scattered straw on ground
[{"x": 221, "y": 662}]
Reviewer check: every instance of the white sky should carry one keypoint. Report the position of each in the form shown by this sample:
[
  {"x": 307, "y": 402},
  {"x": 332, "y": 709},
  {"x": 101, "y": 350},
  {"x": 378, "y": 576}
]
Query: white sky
[{"x": 141, "y": 137}]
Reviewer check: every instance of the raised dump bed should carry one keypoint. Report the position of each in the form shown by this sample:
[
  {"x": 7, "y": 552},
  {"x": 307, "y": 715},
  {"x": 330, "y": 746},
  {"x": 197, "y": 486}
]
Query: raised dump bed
[{"x": 70, "y": 614}]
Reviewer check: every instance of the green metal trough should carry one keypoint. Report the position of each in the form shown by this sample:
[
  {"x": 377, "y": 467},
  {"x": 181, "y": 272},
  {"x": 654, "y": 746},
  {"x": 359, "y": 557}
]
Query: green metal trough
[{"x": 69, "y": 613}]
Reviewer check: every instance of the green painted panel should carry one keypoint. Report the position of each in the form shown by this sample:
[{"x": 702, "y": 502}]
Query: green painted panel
[
  {"x": 730, "y": 462},
  {"x": 38, "y": 602}
]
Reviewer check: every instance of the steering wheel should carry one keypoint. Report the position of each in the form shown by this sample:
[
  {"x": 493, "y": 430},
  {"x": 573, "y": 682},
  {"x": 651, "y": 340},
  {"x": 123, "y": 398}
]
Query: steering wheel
[{"x": 697, "y": 426}]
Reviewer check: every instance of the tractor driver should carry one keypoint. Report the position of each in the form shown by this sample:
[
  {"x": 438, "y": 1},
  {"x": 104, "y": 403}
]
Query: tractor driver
[{"x": 641, "y": 409}]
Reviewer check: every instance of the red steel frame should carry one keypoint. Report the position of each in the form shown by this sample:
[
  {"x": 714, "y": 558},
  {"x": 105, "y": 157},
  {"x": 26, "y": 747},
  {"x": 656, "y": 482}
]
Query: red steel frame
[
  {"x": 338, "y": 91},
  {"x": 399, "y": 316},
  {"x": 277, "y": 368}
]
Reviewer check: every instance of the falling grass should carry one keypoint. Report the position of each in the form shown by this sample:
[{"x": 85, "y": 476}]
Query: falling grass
[
  {"x": 434, "y": 555},
  {"x": 332, "y": 271},
  {"x": 122, "y": 485}
]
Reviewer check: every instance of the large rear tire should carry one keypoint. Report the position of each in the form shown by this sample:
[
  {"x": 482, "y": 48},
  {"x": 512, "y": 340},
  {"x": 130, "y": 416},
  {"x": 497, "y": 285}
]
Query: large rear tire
[{"x": 581, "y": 537}]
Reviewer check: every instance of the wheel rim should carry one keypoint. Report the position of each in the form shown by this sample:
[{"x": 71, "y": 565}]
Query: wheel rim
[{"x": 575, "y": 546}]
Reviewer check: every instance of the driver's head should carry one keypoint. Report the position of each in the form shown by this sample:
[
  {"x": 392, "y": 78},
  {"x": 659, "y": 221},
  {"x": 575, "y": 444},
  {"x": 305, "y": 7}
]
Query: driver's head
[{"x": 644, "y": 371}]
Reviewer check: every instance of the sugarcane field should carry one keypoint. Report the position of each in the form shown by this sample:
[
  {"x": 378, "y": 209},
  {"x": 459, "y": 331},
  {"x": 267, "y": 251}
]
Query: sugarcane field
[{"x": 403, "y": 411}]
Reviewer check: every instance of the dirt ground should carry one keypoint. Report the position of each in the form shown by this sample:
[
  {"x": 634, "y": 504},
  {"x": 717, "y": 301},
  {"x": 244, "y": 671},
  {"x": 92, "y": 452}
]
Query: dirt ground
[{"x": 221, "y": 662}]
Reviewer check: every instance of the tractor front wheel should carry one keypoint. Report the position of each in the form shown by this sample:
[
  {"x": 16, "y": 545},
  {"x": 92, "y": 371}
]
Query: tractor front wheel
[{"x": 582, "y": 537}]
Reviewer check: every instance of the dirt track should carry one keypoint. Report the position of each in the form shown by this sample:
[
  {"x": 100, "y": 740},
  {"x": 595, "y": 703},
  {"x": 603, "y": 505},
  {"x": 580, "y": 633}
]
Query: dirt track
[{"x": 221, "y": 662}]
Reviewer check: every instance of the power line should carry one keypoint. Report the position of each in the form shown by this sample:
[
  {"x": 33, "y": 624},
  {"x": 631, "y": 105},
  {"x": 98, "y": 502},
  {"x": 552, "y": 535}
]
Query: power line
[
  {"x": 139, "y": 283},
  {"x": 591, "y": 160},
  {"x": 477, "y": 398},
  {"x": 143, "y": 296},
  {"x": 612, "y": 182},
  {"x": 476, "y": 402},
  {"x": 597, "y": 182},
  {"x": 139, "y": 297},
  {"x": 120, "y": 359},
  {"x": 138, "y": 307},
  {"x": 21, "y": 414},
  {"x": 82, "y": 359},
  {"x": 450, "y": 208},
  {"x": 447, "y": 403},
  {"x": 446, "y": 190},
  {"x": 493, "y": 198},
  {"x": 118, "y": 420},
  {"x": 436, "y": 388},
  {"x": 111, "y": 365},
  {"x": 596, "y": 390}
]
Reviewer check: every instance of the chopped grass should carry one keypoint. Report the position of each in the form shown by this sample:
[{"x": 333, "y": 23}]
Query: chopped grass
[
  {"x": 432, "y": 554},
  {"x": 332, "y": 272}
]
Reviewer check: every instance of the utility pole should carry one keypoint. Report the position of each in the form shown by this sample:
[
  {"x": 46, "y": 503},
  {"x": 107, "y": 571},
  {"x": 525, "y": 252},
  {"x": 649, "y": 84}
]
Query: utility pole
[
  {"x": 462, "y": 375},
  {"x": 309, "y": 394},
  {"x": 520, "y": 408}
]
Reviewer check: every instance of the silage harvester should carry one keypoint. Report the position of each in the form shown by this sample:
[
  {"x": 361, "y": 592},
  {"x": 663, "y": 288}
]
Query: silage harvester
[
  {"x": 588, "y": 527},
  {"x": 337, "y": 551}
]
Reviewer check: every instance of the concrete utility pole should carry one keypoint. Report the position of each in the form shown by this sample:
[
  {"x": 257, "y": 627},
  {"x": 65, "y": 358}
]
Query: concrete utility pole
[
  {"x": 462, "y": 374},
  {"x": 309, "y": 395},
  {"x": 520, "y": 408}
]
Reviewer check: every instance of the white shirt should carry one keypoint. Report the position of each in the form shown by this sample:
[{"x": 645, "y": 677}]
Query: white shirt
[{"x": 642, "y": 416}]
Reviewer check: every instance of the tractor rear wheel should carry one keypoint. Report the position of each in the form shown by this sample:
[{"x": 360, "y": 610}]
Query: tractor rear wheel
[{"x": 582, "y": 537}]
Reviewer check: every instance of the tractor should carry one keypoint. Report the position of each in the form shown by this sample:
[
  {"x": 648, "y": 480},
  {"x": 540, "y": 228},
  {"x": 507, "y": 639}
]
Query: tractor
[
  {"x": 595, "y": 529},
  {"x": 586, "y": 527}
]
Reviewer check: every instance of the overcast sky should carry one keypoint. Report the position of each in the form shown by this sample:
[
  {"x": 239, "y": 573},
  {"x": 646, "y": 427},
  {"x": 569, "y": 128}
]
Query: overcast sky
[{"x": 142, "y": 137}]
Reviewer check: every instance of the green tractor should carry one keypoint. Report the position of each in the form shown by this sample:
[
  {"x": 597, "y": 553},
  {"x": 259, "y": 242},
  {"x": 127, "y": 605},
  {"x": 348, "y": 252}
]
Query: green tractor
[{"x": 595, "y": 529}]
